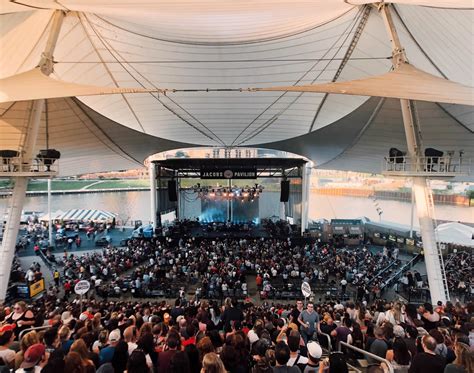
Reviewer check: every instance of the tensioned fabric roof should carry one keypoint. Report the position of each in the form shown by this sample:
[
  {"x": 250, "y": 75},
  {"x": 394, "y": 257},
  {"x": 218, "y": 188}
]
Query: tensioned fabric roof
[{"x": 198, "y": 45}]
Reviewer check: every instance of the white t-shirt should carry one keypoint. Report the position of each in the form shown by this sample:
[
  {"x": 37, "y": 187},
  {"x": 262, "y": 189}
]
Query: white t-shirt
[
  {"x": 7, "y": 356},
  {"x": 131, "y": 347},
  {"x": 301, "y": 360},
  {"x": 36, "y": 369}
]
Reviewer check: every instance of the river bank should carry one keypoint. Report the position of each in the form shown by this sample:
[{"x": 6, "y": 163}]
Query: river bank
[
  {"x": 404, "y": 196},
  {"x": 447, "y": 199}
]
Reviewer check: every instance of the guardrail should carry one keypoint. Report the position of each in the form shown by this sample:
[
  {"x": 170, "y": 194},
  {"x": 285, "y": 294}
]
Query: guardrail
[
  {"x": 398, "y": 274},
  {"x": 366, "y": 353},
  {"x": 382, "y": 271},
  {"x": 23, "y": 332},
  {"x": 429, "y": 166},
  {"x": 14, "y": 165},
  {"x": 328, "y": 337}
]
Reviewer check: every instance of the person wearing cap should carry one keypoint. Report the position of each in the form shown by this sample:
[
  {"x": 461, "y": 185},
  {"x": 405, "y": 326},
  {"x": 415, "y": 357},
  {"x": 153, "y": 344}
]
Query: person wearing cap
[
  {"x": 6, "y": 338},
  {"x": 106, "y": 355},
  {"x": 34, "y": 359},
  {"x": 314, "y": 357}
]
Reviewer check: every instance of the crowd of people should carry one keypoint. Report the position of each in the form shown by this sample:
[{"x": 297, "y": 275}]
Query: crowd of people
[
  {"x": 459, "y": 268},
  {"x": 191, "y": 336},
  {"x": 220, "y": 267}
]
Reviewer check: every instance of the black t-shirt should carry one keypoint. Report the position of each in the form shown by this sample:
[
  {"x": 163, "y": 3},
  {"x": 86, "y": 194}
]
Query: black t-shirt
[
  {"x": 229, "y": 315},
  {"x": 295, "y": 314},
  {"x": 424, "y": 362}
]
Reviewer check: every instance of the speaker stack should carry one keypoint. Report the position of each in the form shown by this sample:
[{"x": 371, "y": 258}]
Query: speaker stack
[
  {"x": 172, "y": 195},
  {"x": 284, "y": 190}
]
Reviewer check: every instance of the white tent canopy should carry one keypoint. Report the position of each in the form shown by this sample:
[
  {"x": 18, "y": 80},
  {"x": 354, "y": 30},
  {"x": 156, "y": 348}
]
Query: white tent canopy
[
  {"x": 34, "y": 85},
  {"x": 405, "y": 82},
  {"x": 456, "y": 233},
  {"x": 54, "y": 216},
  {"x": 86, "y": 215},
  {"x": 339, "y": 46}
]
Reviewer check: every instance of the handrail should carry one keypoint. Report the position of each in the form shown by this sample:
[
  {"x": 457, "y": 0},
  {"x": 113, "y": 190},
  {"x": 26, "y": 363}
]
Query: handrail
[
  {"x": 328, "y": 337},
  {"x": 446, "y": 164},
  {"x": 369, "y": 354},
  {"x": 23, "y": 332},
  {"x": 405, "y": 267},
  {"x": 382, "y": 271},
  {"x": 21, "y": 164}
]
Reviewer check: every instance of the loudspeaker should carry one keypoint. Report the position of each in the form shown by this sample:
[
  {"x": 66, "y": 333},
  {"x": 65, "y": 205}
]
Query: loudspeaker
[
  {"x": 172, "y": 196},
  {"x": 284, "y": 190}
]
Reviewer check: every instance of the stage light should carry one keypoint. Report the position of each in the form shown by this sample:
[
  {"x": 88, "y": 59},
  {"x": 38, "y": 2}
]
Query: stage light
[{"x": 229, "y": 193}]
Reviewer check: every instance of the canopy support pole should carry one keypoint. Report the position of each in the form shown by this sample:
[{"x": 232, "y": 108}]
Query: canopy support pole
[
  {"x": 412, "y": 211},
  {"x": 306, "y": 180},
  {"x": 423, "y": 195},
  {"x": 50, "y": 218},
  {"x": 153, "y": 205},
  {"x": 12, "y": 226}
]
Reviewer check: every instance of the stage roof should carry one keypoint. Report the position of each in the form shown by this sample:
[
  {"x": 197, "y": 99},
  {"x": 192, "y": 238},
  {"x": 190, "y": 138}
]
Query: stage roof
[
  {"x": 208, "y": 52},
  {"x": 259, "y": 163}
]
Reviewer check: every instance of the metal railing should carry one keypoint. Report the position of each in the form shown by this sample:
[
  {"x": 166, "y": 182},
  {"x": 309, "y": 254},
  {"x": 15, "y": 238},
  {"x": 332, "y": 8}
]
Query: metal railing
[
  {"x": 398, "y": 274},
  {"x": 36, "y": 328},
  {"x": 366, "y": 353},
  {"x": 328, "y": 337},
  {"x": 434, "y": 166},
  {"x": 21, "y": 165}
]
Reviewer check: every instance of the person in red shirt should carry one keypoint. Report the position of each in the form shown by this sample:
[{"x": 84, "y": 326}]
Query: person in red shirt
[
  {"x": 259, "y": 280},
  {"x": 191, "y": 335},
  {"x": 67, "y": 289}
]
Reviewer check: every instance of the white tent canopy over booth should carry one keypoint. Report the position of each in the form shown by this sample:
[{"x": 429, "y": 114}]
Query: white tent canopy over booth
[
  {"x": 109, "y": 83},
  {"x": 456, "y": 233}
]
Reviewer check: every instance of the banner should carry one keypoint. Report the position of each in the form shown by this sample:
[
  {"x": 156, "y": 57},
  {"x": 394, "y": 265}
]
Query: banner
[
  {"x": 37, "y": 288},
  {"x": 228, "y": 173}
]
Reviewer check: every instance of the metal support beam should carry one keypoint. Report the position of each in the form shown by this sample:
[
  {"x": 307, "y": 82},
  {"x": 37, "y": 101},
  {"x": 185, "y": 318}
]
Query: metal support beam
[
  {"x": 50, "y": 218},
  {"x": 11, "y": 233},
  {"x": 305, "y": 196},
  {"x": 412, "y": 210},
  {"x": 28, "y": 149},
  {"x": 153, "y": 205},
  {"x": 423, "y": 195}
]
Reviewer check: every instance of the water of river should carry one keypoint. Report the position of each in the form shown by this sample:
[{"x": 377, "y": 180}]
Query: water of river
[{"x": 136, "y": 206}]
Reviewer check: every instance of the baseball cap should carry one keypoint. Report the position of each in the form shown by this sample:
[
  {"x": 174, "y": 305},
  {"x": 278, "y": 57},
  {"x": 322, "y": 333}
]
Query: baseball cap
[
  {"x": 314, "y": 350},
  {"x": 86, "y": 315},
  {"x": 33, "y": 355},
  {"x": 7, "y": 328},
  {"x": 114, "y": 335}
]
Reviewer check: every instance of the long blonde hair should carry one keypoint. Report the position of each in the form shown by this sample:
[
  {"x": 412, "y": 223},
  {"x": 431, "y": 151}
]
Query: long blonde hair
[
  {"x": 464, "y": 356},
  {"x": 212, "y": 363},
  {"x": 29, "y": 339}
]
